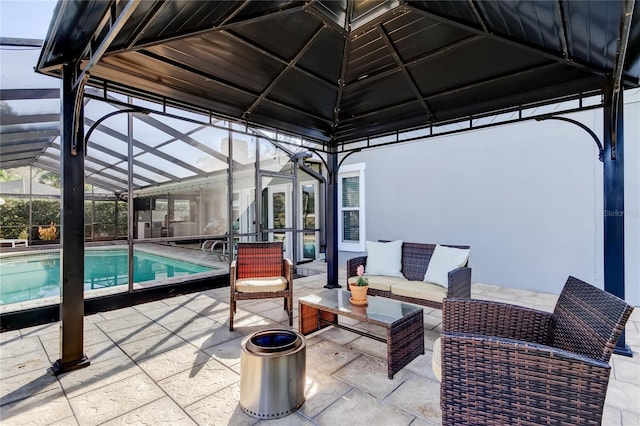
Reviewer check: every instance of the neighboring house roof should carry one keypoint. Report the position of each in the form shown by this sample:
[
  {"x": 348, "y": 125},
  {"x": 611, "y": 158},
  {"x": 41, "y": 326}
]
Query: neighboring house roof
[{"x": 22, "y": 187}]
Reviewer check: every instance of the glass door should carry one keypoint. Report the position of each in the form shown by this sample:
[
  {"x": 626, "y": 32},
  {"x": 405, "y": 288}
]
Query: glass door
[
  {"x": 243, "y": 213},
  {"x": 308, "y": 244},
  {"x": 277, "y": 218}
]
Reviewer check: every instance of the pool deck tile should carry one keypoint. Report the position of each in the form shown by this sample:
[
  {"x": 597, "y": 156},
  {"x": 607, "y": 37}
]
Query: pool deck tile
[{"x": 175, "y": 362}]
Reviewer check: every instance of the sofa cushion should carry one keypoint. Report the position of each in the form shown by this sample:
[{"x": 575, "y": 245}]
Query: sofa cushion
[
  {"x": 384, "y": 258},
  {"x": 262, "y": 284},
  {"x": 380, "y": 282},
  {"x": 420, "y": 290},
  {"x": 444, "y": 260}
]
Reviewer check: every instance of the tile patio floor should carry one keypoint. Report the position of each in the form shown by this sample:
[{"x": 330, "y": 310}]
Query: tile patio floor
[{"x": 175, "y": 362}]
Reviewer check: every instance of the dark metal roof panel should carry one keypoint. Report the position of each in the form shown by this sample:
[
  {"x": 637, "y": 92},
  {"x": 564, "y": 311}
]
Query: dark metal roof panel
[
  {"x": 147, "y": 74},
  {"x": 592, "y": 31},
  {"x": 280, "y": 63},
  {"x": 459, "y": 10},
  {"x": 296, "y": 90},
  {"x": 537, "y": 23},
  {"x": 211, "y": 59},
  {"x": 633, "y": 52},
  {"x": 451, "y": 69},
  {"x": 282, "y": 35},
  {"x": 319, "y": 59},
  {"x": 73, "y": 24},
  {"x": 160, "y": 20}
]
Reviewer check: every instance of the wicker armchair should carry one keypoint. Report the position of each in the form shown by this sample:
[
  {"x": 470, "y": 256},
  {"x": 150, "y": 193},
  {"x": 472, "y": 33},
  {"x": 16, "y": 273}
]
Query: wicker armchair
[
  {"x": 505, "y": 364},
  {"x": 260, "y": 272}
]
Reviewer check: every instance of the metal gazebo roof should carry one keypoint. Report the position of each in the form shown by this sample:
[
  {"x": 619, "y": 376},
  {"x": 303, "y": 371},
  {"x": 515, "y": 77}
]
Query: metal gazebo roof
[{"x": 340, "y": 71}]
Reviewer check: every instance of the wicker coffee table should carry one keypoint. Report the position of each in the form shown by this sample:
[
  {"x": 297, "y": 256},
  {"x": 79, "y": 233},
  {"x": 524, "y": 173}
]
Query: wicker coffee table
[{"x": 404, "y": 323}]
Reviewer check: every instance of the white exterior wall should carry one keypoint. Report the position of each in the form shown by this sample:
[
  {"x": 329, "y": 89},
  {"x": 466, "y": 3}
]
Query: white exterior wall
[{"x": 526, "y": 197}]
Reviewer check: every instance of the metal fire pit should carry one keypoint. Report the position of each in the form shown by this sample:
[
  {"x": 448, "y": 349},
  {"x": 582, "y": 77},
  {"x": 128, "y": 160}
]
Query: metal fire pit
[{"x": 272, "y": 373}]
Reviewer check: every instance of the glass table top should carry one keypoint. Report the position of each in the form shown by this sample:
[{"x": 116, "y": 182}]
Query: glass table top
[{"x": 378, "y": 308}]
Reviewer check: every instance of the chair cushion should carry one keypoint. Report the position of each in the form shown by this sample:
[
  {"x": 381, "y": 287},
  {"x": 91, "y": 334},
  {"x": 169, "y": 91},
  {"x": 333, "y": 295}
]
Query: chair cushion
[
  {"x": 420, "y": 290},
  {"x": 261, "y": 284},
  {"x": 384, "y": 258},
  {"x": 436, "y": 364},
  {"x": 444, "y": 260},
  {"x": 380, "y": 282}
]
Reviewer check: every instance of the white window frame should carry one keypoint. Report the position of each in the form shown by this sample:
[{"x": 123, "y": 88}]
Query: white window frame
[{"x": 352, "y": 170}]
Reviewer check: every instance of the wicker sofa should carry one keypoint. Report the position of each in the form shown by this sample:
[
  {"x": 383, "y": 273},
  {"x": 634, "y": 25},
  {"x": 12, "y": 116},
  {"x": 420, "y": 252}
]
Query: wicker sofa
[{"x": 411, "y": 286}]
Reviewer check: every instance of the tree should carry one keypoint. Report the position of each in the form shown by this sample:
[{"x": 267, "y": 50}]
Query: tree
[
  {"x": 50, "y": 178},
  {"x": 7, "y": 175},
  {"x": 5, "y": 109}
]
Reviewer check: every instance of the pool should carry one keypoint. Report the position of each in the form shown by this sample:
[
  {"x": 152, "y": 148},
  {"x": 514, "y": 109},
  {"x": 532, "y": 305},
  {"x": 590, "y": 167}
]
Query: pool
[{"x": 35, "y": 276}]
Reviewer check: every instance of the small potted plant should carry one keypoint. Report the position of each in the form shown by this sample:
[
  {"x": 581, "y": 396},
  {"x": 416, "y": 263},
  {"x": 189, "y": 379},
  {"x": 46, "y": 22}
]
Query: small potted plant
[{"x": 359, "y": 288}]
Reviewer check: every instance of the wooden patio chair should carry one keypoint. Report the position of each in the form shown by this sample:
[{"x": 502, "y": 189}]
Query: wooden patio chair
[
  {"x": 259, "y": 272},
  {"x": 506, "y": 364}
]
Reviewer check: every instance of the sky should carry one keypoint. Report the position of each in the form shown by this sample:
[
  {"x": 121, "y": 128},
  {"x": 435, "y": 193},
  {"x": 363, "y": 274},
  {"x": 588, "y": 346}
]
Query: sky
[{"x": 25, "y": 18}]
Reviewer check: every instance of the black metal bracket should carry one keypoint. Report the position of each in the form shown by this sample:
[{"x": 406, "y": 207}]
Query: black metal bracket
[
  {"x": 104, "y": 117},
  {"x": 582, "y": 126},
  {"x": 347, "y": 156},
  {"x": 77, "y": 107}
]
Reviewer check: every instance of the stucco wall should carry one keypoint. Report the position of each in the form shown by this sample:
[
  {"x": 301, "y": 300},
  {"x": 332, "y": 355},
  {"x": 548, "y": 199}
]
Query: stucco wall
[{"x": 526, "y": 197}]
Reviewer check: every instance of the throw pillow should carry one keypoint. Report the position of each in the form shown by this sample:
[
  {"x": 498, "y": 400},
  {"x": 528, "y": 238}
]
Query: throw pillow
[
  {"x": 443, "y": 260},
  {"x": 384, "y": 258}
]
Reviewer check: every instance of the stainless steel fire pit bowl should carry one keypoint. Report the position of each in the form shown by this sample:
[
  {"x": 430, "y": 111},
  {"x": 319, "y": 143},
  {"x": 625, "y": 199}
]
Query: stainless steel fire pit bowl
[{"x": 272, "y": 373}]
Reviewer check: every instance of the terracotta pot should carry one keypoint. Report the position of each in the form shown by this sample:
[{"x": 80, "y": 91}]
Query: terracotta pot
[{"x": 358, "y": 294}]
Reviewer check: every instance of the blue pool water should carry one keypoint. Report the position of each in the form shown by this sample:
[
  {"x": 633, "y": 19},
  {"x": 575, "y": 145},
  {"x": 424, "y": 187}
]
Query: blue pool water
[{"x": 34, "y": 276}]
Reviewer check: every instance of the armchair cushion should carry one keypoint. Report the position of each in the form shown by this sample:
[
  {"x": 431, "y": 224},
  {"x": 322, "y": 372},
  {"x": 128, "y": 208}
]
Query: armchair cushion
[
  {"x": 384, "y": 258},
  {"x": 261, "y": 284},
  {"x": 443, "y": 260}
]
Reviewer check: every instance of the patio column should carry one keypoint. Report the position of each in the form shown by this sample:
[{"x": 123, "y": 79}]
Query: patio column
[
  {"x": 613, "y": 200},
  {"x": 72, "y": 225},
  {"x": 331, "y": 219}
]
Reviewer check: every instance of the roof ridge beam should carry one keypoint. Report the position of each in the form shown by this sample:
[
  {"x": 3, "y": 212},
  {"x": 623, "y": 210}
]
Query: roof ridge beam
[
  {"x": 318, "y": 13},
  {"x": 292, "y": 63},
  {"x": 403, "y": 68},
  {"x": 229, "y": 85},
  {"x": 562, "y": 34},
  {"x": 276, "y": 58},
  {"x": 415, "y": 61},
  {"x": 623, "y": 44},
  {"x": 112, "y": 20},
  {"x": 478, "y": 15},
  {"x": 343, "y": 72}
]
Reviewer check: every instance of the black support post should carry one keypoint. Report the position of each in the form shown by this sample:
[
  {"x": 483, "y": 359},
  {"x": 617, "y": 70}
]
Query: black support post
[
  {"x": 332, "y": 221},
  {"x": 613, "y": 185},
  {"x": 72, "y": 227}
]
